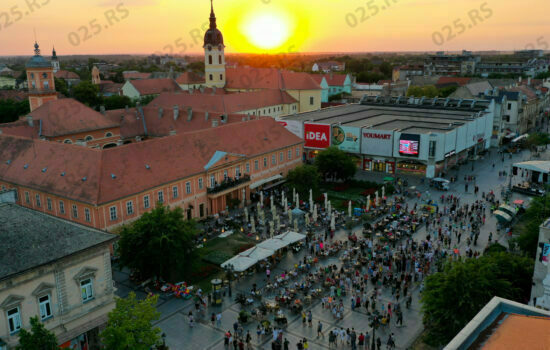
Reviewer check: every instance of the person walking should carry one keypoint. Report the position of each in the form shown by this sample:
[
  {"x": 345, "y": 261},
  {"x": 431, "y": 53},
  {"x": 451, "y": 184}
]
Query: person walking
[
  {"x": 310, "y": 318},
  {"x": 248, "y": 340},
  {"x": 320, "y": 329}
]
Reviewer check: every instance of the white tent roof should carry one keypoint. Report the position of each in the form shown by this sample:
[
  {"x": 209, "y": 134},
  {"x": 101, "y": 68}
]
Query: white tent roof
[
  {"x": 258, "y": 253},
  {"x": 535, "y": 165},
  {"x": 507, "y": 209},
  {"x": 290, "y": 237},
  {"x": 503, "y": 215},
  {"x": 273, "y": 244},
  {"x": 240, "y": 263}
]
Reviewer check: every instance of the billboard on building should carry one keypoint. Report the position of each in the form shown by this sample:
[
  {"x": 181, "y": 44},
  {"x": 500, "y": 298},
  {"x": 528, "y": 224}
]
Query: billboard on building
[
  {"x": 294, "y": 126},
  {"x": 316, "y": 135},
  {"x": 377, "y": 142},
  {"x": 346, "y": 138},
  {"x": 409, "y": 145}
]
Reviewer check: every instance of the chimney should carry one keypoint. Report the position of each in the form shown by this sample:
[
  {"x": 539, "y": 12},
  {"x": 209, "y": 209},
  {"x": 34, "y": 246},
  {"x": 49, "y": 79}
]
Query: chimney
[
  {"x": 126, "y": 108},
  {"x": 214, "y": 123},
  {"x": 529, "y": 81},
  {"x": 29, "y": 121},
  {"x": 202, "y": 89},
  {"x": 176, "y": 112},
  {"x": 172, "y": 132},
  {"x": 206, "y": 115},
  {"x": 244, "y": 119},
  {"x": 189, "y": 114},
  {"x": 213, "y": 90},
  {"x": 161, "y": 112},
  {"x": 102, "y": 110},
  {"x": 191, "y": 91}
]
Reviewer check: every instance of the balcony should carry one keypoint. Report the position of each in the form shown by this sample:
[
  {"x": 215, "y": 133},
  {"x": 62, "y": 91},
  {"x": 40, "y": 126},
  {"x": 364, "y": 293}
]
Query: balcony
[
  {"x": 227, "y": 184},
  {"x": 41, "y": 91}
]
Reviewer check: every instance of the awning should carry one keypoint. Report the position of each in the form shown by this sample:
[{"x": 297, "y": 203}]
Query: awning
[
  {"x": 240, "y": 263},
  {"x": 258, "y": 253},
  {"x": 290, "y": 237},
  {"x": 507, "y": 209},
  {"x": 274, "y": 184},
  {"x": 502, "y": 216},
  {"x": 264, "y": 181},
  {"x": 541, "y": 166},
  {"x": 524, "y": 136},
  {"x": 273, "y": 244}
]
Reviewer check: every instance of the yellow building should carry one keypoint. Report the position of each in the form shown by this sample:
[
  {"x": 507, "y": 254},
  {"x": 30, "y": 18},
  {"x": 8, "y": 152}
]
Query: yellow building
[{"x": 55, "y": 270}]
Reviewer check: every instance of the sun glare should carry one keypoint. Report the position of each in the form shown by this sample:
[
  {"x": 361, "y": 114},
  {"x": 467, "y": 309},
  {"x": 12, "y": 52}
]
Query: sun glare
[{"x": 267, "y": 31}]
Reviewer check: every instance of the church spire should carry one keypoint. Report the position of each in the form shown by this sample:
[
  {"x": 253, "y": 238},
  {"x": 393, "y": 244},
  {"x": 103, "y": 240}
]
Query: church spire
[
  {"x": 212, "y": 16},
  {"x": 36, "y": 49}
]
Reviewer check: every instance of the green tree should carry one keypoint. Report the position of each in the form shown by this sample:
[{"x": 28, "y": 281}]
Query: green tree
[
  {"x": 303, "y": 178},
  {"x": 87, "y": 93},
  {"x": 386, "y": 69},
  {"x": 38, "y": 338},
  {"x": 196, "y": 66},
  {"x": 61, "y": 86},
  {"x": 451, "y": 298},
  {"x": 446, "y": 91},
  {"x": 130, "y": 324},
  {"x": 116, "y": 102},
  {"x": 538, "y": 210},
  {"x": 11, "y": 110},
  {"x": 118, "y": 77},
  {"x": 335, "y": 164},
  {"x": 159, "y": 244},
  {"x": 423, "y": 91}
]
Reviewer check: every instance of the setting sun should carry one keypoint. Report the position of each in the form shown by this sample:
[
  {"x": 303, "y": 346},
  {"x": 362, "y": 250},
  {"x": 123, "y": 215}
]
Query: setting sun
[{"x": 267, "y": 31}]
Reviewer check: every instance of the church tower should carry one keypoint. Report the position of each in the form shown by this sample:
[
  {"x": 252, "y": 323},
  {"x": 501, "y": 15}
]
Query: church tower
[
  {"x": 40, "y": 80},
  {"x": 214, "y": 58},
  {"x": 96, "y": 78},
  {"x": 55, "y": 61}
]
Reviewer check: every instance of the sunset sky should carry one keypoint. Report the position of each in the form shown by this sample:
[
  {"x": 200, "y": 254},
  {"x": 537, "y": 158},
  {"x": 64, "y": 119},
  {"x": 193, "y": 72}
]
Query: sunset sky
[{"x": 147, "y": 26}]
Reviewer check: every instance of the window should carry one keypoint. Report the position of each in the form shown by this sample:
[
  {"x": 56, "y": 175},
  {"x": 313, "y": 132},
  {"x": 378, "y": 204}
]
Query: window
[
  {"x": 161, "y": 197},
  {"x": 75, "y": 211},
  {"x": 225, "y": 175},
  {"x": 221, "y": 76},
  {"x": 14, "y": 320},
  {"x": 289, "y": 154},
  {"x": 32, "y": 75},
  {"x": 46, "y": 85},
  {"x": 256, "y": 165},
  {"x": 188, "y": 187},
  {"x": 112, "y": 213},
  {"x": 273, "y": 159},
  {"x": 509, "y": 106},
  {"x": 109, "y": 134},
  {"x": 237, "y": 171},
  {"x": 27, "y": 198},
  {"x": 67, "y": 141},
  {"x": 175, "y": 192},
  {"x": 129, "y": 207},
  {"x": 87, "y": 289},
  {"x": 200, "y": 183},
  {"x": 311, "y": 100},
  {"x": 38, "y": 202},
  {"x": 49, "y": 203},
  {"x": 45, "y": 307},
  {"x": 297, "y": 152},
  {"x": 265, "y": 162},
  {"x": 61, "y": 207},
  {"x": 209, "y": 59},
  {"x": 211, "y": 77},
  {"x": 281, "y": 157},
  {"x": 33, "y": 83},
  {"x": 247, "y": 168},
  {"x": 212, "y": 180},
  {"x": 220, "y": 59},
  {"x": 146, "y": 204},
  {"x": 87, "y": 214},
  {"x": 44, "y": 75},
  {"x": 89, "y": 138},
  {"x": 432, "y": 149}
]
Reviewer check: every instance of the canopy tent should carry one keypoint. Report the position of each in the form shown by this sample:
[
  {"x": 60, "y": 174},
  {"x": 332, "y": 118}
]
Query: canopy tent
[
  {"x": 519, "y": 138},
  {"x": 258, "y": 253},
  {"x": 264, "y": 181},
  {"x": 502, "y": 217},
  {"x": 388, "y": 179},
  {"x": 297, "y": 211},
  {"x": 540, "y": 166},
  {"x": 272, "y": 244},
  {"x": 239, "y": 263},
  {"x": 290, "y": 237},
  {"x": 507, "y": 209},
  {"x": 519, "y": 201}
]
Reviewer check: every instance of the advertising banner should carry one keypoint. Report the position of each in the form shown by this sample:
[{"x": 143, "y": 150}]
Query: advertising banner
[
  {"x": 317, "y": 135},
  {"x": 346, "y": 138},
  {"x": 377, "y": 142},
  {"x": 294, "y": 126},
  {"x": 409, "y": 145}
]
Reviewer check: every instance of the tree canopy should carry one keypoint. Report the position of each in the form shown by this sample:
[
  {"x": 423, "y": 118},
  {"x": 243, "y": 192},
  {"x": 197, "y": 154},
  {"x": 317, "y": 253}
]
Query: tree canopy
[
  {"x": 38, "y": 337},
  {"x": 453, "y": 297},
  {"x": 116, "y": 102},
  {"x": 130, "y": 324},
  {"x": 11, "y": 110},
  {"x": 538, "y": 210},
  {"x": 303, "y": 178},
  {"x": 159, "y": 244},
  {"x": 426, "y": 91},
  {"x": 87, "y": 93},
  {"x": 335, "y": 164}
]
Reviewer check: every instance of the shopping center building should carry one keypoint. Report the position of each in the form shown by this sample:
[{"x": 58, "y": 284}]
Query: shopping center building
[{"x": 399, "y": 135}]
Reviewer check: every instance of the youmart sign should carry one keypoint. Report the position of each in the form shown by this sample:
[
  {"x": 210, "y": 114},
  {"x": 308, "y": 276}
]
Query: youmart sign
[{"x": 377, "y": 142}]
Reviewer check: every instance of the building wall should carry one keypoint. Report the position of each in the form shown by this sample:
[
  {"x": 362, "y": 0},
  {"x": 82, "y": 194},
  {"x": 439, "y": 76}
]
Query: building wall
[
  {"x": 41, "y": 85},
  {"x": 69, "y": 312},
  {"x": 303, "y": 97},
  {"x": 129, "y": 90},
  {"x": 7, "y": 82},
  {"x": 214, "y": 70}
]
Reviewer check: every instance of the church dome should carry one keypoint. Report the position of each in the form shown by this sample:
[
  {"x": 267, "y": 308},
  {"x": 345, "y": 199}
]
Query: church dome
[
  {"x": 213, "y": 37},
  {"x": 37, "y": 61}
]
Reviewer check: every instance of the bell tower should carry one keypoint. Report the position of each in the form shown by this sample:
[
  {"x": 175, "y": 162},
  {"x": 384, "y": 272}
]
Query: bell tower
[
  {"x": 40, "y": 80},
  {"x": 214, "y": 57},
  {"x": 55, "y": 61}
]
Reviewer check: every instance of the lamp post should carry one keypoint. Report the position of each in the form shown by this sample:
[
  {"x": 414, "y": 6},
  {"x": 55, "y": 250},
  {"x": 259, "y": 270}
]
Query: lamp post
[
  {"x": 164, "y": 340},
  {"x": 374, "y": 323}
]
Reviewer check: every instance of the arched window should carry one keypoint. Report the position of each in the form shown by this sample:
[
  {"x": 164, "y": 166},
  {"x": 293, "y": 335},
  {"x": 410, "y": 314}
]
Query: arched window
[
  {"x": 211, "y": 77},
  {"x": 209, "y": 59},
  {"x": 89, "y": 138},
  {"x": 220, "y": 59},
  {"x": 109, "y": 134},
  {"x": 68, "y": 141},
  {"x": 221, "y": 76}
]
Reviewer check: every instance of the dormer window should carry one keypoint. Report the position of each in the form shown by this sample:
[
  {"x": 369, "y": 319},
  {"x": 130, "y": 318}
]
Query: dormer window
[
  {"x": 209, "y": 48},
  {"x": 44, "y": 75}
]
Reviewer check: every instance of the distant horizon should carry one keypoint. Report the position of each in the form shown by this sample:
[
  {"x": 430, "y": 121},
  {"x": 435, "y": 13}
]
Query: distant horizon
[{"x": 142, "y": 27}]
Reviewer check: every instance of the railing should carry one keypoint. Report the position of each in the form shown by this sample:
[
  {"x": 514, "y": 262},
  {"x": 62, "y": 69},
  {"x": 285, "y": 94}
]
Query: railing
[
  {"x": 41, "y": 91},
  {"x": 228, "y": 183}
]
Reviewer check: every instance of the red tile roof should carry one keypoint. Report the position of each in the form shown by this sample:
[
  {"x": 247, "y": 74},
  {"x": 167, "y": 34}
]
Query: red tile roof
[
  {"x": 332, "y": 79},
  {"x": 169, "y": 158},
  {"x": 19, "y": 128},
  {"x": 268, "y": 78},
  {"x": 135, "y": 75},
  {"x": 13, "y": 95},
  {"x": 106, "y": 86},
  {"x": 520, "y": 332},
  {"x": 226, "y": 103},
  {"x": 453, "y": 80},
  {"x": 155, "y": 86},
  {"x": 68, "y": 116},
  {"x": 65, "y": 74},
  {"x": 526, "y": 90},
  {"x": 190, "y": 78}
]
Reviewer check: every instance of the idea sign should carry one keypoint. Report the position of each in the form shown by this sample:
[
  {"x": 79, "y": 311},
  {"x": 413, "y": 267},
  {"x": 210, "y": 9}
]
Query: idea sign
[{"x": 317, "y": 135}]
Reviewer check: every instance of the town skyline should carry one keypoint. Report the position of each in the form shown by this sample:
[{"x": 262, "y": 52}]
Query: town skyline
[{"x": 269, "y": 26}]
